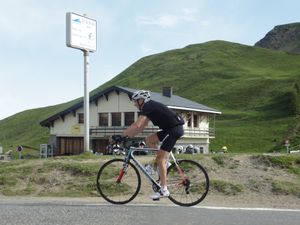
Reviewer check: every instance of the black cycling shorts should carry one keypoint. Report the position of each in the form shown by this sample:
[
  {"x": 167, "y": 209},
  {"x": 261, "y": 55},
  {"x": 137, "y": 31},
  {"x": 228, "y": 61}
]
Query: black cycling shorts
[{"x": 169, "y": 137}]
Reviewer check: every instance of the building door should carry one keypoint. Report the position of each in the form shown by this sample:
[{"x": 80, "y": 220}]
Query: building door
[
  {"x": 70, "y": 145},
  {"x": 99, "y": 145}
]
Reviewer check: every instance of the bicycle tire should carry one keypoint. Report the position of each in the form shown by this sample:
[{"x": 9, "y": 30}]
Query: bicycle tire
[
  {"x": 196, "y": 187},
  {"x": 118, "y": 192}
]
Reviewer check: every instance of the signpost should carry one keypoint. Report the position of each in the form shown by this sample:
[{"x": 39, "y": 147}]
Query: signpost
[
  {"x": 20, "y": 149},
  {"x": 287, "y": 145},
  {"x": 81, "y": 33}
]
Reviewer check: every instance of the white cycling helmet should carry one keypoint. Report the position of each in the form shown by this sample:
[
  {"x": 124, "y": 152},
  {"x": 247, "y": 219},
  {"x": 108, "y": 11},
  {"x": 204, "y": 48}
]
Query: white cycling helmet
[{"x": 141, "y": 94}]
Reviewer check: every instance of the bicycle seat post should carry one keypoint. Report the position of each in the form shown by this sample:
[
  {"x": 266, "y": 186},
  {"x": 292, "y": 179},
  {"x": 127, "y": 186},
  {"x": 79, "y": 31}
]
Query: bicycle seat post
[{"x": 173, "y": 157}]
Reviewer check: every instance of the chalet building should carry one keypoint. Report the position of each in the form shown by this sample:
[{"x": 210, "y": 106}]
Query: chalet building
[{"x": 112, "y": 111}]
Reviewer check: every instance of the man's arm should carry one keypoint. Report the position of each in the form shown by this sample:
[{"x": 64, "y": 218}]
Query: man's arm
[{"x": 137, "y": 127}]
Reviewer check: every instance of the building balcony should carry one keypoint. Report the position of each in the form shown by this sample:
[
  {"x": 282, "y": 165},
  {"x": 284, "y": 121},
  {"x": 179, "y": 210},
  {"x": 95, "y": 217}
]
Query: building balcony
[
  {"x": 199, "y": 133},
  {"x": 96, "y": 132}
]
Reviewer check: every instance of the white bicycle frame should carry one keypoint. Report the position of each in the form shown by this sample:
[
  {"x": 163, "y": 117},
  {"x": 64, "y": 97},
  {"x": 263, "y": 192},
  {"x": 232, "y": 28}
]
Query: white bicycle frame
[{"x": 130, "y": 156}]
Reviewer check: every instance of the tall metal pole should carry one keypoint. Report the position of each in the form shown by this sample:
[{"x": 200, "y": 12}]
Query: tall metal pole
[
  {"x": 81, "y": 33},
  {"x": 86, "y": 103}
]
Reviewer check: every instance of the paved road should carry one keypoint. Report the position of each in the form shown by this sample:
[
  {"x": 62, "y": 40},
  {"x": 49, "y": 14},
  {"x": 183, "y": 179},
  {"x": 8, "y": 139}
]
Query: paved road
[{"x": 76, "y": 213}]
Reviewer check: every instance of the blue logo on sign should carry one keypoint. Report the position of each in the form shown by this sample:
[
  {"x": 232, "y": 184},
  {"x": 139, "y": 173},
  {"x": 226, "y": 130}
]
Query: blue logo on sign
[{"x": 77, "y": 20}]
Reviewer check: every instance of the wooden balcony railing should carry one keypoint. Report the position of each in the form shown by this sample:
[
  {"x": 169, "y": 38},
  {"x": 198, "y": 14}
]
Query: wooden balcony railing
[
  {"x": 196, "y": 132},
  {"x": 108, "y": 131},
  {"x": 188, "y": 132}
]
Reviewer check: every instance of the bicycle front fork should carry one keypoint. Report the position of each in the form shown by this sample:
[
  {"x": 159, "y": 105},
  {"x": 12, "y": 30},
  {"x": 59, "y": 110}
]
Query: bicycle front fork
[{"x": 121, "y": 174}]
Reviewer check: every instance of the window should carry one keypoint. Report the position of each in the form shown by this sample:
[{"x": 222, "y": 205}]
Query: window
[
  {"x": 103, "y": 119},
  {"x": 189, "y": 119},
  {"x": 129, "y": 118},
  {"x": 201, "y": 150},
  {"x": 196, "y": 123},
  {"x": 189, "y": 123},
  {"x": 80, "y": 118},
  {"x": 116, "y": 119}
]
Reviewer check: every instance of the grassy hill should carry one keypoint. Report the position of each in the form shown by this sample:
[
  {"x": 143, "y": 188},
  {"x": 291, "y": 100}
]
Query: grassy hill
[
  {"x": 256, "y": 89},
  {"x": 24, "y": 128}
]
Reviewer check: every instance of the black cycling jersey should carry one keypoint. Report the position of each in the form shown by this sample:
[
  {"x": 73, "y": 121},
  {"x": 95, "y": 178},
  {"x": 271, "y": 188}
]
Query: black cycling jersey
[{"x": 160, "y": 115}]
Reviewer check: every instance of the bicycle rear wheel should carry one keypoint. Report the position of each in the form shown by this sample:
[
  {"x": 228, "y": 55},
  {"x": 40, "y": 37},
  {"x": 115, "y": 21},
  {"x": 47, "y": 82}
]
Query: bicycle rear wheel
[
  {"x": 188, "y": 184},
  {"x": 116, "y": 185}
]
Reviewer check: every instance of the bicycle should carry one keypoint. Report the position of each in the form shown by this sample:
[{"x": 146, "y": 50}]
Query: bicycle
[{"x": 119, "y": 180}]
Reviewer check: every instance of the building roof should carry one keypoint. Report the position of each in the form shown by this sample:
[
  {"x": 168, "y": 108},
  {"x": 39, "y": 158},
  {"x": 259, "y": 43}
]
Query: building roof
[
  {"x": 177, "y": 102},
  {"x": 174, "y": 102}
]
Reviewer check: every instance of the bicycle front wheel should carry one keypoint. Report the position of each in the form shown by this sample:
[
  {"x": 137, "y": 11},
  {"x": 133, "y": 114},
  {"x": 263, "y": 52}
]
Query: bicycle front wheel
[
  {"x": 116, "y": 185},
  {"x": 188, "y": 183}
]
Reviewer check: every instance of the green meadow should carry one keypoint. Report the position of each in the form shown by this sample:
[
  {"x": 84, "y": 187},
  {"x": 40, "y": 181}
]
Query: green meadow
[{"x": 256, "y": 89}]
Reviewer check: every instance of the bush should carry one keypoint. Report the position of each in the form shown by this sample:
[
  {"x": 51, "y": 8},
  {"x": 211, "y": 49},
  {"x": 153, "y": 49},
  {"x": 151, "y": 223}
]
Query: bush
[
  {"x": 286, "y": 188},
  {"x": 226, "y": 187}
]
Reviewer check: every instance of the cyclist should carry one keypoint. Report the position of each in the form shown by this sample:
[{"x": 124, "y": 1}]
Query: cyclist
[
  {"x": 142, "y": 144},
  {"x": 171, "y": 130}
]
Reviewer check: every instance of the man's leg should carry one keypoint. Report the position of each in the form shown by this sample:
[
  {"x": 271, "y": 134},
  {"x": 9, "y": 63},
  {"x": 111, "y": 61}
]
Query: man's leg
[
  {"x": 161, "y": 159},
  {"x": 152, "y": 141}
]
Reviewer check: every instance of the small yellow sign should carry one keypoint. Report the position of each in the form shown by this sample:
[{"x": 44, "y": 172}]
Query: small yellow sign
[{"x": 75, "y": 129}]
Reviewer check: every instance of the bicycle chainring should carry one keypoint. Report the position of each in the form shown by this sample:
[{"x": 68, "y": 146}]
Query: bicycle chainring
[{"x": 155, "y": 187}]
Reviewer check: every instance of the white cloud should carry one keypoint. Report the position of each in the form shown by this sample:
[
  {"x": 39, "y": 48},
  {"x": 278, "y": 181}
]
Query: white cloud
[
  {"x": 189, "y": 15},
  {"x": 170, "y": 20},
  {"x": 146, "y": 48},
  {"x": 26, "y": 21},
  {"x": 205, "y": 23},
  {"x": 162, "y": 21}
]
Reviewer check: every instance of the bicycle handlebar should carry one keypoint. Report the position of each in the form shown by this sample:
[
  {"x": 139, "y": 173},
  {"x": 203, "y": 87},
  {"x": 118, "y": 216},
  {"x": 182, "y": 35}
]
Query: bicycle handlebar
[{"x": 119, "y": 138}]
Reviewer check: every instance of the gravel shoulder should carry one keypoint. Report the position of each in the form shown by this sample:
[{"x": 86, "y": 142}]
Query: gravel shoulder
[{"x": 248, "y": 182}]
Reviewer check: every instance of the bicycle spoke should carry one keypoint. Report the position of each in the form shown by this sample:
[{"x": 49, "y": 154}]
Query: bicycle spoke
[
  {"x": 195, "y": 187},
  {"x": 114, "y": 190}
]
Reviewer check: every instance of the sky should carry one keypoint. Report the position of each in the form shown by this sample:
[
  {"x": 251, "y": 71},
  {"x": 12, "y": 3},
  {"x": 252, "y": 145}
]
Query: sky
[{"x": 37, "y": 69}]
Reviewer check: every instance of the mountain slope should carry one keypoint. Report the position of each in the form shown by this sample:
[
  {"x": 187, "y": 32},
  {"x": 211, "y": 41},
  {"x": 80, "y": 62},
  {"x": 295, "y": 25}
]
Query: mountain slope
[
  {"x": 256, "y": 89},
  {"x": 24, "y": 127},
  {"x": 198, "y": 67},
  {"x": 283, "y": 37}
]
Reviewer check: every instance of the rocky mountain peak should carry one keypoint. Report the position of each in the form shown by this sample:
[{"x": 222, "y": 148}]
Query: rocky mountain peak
[{"x": 282, "y": 37}]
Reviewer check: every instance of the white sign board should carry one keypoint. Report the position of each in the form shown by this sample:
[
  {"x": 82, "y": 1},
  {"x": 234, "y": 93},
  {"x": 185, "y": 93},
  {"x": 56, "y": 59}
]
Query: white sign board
[{"x": 81, "y": 32}]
